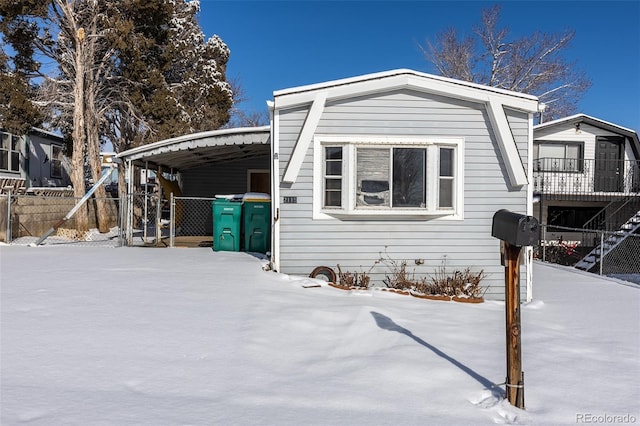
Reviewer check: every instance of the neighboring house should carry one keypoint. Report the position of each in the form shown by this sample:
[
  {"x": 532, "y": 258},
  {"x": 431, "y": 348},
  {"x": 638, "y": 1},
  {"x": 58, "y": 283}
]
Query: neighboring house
[
  {"x": 586, "y": 176},
  {"x": 33, "y": 160},
  {"x": 582, "y": 165},
  {"x": 399, "y": 165}
]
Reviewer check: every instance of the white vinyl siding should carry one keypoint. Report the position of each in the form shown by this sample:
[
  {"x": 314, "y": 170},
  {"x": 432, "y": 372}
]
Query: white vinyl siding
[{"x": 357, "y": 243}]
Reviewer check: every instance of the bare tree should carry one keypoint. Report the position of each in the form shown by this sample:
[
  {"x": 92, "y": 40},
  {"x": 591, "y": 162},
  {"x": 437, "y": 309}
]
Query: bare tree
[
  {"x": 240, "y": 117},
  {"x": 532, "y": 64}
]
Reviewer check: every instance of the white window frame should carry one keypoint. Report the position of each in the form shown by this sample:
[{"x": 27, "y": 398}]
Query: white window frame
[
  {"x": 10, "y": 152},
  {"x": 349, "y": 144}
]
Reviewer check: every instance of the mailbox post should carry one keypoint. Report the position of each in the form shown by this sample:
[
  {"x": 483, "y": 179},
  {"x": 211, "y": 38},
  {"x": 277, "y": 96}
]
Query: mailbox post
[{"x": 515, "y": 231}]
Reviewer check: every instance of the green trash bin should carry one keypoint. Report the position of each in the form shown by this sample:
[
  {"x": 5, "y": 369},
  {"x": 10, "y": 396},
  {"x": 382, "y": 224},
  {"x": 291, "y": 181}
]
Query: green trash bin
[
  {"x": 226, "y": 224},
  {"x": 256, "y": 213}
]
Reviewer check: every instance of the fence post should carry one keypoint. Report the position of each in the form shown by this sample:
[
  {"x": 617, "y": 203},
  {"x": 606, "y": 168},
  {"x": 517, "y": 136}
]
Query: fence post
[
  {"x": 159, "y": 220},
  {"x": 129, "y": 223},
  {"x": 601, "y": 250},
  {"x": 8, "y": 234},
  {"x": 544, "y": 243},
  {"x": 121, "y": 220},
  {"x": 172, "y": 222}
]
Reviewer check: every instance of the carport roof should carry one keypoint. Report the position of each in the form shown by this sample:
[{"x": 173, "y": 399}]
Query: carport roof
[{"x": 198, "y": 149}]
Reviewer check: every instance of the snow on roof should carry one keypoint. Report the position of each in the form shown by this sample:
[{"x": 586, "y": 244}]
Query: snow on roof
[
  {"x": 195, "y": 149},
  {"x": 424, "y": 77}
]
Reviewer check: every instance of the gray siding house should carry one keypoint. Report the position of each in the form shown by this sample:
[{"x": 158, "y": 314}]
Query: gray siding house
[
  {"x": 33, "y": 160},
  {"x": 401, "y": 165}
]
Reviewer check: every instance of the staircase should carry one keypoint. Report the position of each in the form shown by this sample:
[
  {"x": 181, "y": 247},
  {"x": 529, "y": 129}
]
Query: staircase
[{"x": 630, "y": 227}]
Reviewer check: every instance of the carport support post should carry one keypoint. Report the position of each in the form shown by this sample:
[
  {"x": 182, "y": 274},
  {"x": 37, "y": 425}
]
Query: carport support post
[
  {"x": 172, "y": 223},
  {"x": 7, "y": 236},
  {"x": 515, "y": 380}
]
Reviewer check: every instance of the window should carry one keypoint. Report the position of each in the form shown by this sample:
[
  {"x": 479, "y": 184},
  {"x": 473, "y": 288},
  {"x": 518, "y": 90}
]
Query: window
[
  {"x": 9, "y": 152},
  {"x": 372, "y": 177},
  {"x": 333, "y": 177},
  {"x": 558, "y": 157},
  {"x": 387, "y": 176},
  {"x": 446, "y": 178},
  {"x": 56, "y": 161},
  {"x": 391, "y": 177}
]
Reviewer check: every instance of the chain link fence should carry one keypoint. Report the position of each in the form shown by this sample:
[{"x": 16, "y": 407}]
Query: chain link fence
[
  {"x": 583, "y": 249},
  {"x": 191, "y": 221},
  {"x": 178, "y": 222},
  {"x": 188, "y": 222},
  {"x": 24, "y": 219}
]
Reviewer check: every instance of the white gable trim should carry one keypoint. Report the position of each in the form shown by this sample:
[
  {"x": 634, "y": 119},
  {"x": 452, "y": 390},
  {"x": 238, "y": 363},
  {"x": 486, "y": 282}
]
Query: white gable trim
[
  {"x": 443, "y": 88},
  {"x": 494, "y": 99},
  {"x": 382, "y": 81},
  {"x": 304, "y": 140},
  {"x": 506, "y": 143}
]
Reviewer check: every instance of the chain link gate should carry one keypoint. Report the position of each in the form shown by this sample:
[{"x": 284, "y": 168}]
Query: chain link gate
[
  {"x": 191, "y": 222},
  {"x": 147, "y": 213}
]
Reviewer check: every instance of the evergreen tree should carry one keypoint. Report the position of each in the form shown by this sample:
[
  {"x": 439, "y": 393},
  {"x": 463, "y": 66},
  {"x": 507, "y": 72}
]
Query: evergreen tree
[
  {"x": 17, "y": 113},
  {"x": 185, "y": 88},
  {"x": 120, "y": 71}
]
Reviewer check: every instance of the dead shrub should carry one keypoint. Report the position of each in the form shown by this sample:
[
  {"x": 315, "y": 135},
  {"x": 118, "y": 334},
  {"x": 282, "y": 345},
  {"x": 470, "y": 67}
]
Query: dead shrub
[
  {"x": 353, "y": 279},
  {"x": 463, "y": 283},
  {"x": 460, "y": 283}
]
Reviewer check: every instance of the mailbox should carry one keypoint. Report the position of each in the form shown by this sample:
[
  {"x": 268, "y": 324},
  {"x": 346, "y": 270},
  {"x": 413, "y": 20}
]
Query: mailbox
[{"x": 515, "y": 229}]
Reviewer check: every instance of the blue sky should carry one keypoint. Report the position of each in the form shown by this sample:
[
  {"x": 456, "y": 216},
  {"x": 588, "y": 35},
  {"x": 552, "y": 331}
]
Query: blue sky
[{"x": 281, "y": 44}]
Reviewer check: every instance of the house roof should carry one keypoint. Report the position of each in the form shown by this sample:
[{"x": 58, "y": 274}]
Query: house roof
[
  {"x": 197, "y": 149},
  {"x": 46, "y": 134},
  {"x": 388, "y": 80},
  {"x": 495, "y": 100},
  {"x": 596, "y": 122}
]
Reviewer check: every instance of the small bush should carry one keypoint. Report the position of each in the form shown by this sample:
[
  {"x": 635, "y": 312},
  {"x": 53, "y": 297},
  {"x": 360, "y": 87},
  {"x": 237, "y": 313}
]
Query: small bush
[
  {"x": 463, "y": 283},
  {"x": 460, "y": 283},
  {"x": 353, "y": 279}
]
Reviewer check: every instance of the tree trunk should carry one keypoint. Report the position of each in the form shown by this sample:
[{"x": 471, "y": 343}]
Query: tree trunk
[
  {"x": 95, "y": 162},
  {"x": 79, "y": 139}
]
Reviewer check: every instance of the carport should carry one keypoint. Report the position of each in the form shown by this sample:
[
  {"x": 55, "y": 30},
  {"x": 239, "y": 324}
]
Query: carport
[{"x": 196, "y": 168}]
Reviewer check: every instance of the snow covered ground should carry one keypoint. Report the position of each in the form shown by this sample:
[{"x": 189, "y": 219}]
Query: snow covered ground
[{"x": 143, "y": 336}]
